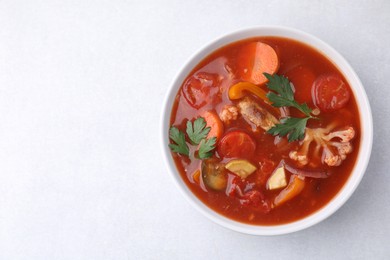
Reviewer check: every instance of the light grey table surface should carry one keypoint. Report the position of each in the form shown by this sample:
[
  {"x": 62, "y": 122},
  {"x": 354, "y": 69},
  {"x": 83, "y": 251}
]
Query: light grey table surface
[{"x": 81, "y": 90}]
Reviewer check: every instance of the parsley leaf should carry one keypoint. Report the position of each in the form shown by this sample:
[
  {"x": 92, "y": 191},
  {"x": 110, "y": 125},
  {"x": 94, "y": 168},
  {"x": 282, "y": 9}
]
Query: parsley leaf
[
  {"x": 284, "y": 97},
  {"x": 198, "y": 130},
  {"x": 180, "y": 140},
  {"x": 294, "y": 127},
  {"x": 197, "y": 133},
  {"x": 205, "y": 148}
]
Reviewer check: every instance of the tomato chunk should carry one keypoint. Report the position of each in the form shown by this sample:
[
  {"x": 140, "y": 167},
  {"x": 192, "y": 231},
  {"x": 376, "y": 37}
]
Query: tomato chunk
[
  {"x": 266, "y": 168},
  {"x": 256, "y": 200},
  {"x": 246, "y": 195},
  {"x": 302, "y": 78},
  {"x": 330, "y": 93},
  {"x": 236, "y": 144},
  {"x": 234, "y": 186},
  {"x": 201, "y": 89}
]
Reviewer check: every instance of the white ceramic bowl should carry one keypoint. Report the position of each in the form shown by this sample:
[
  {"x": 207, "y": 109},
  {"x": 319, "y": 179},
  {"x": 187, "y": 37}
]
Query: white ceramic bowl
[{"x": 366, "y": 130}]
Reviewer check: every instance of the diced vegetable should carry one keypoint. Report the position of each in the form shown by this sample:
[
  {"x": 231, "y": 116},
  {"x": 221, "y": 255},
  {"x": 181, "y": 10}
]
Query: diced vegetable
[
  {"x": 254, "y": 59},
  {"x": 235, "y": 186},
  {"x": 330, "y": 93},
  {"x": 255, "y": 199},
  {"x": 246, "y": 194},
  {"x": 237, "y": 91},
  {"x": 318, "y": 174},
  {"x": 215, "y": 124},
  {"x": 196, "y": 176},
  {"x": 277, "y": 179},
  {"x": 294, "y": 187},
  {"x": 266, "y": 167},
  {"x": 236, "y": 144},
  {"x": 335, "y": 145},
  {"x": 214, "y": 175},
  {"x": 242, "y": 168},
  {"x": 200, "y": 89}
]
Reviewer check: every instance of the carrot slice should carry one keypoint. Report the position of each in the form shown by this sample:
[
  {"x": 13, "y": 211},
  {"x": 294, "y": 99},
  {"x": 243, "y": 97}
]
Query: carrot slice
[
  {"x": 238, "y": 91},
  {"x": 256, "y": 58},
  {"x": 294, "y": 187},
  {"x": 216, "y": 125}
]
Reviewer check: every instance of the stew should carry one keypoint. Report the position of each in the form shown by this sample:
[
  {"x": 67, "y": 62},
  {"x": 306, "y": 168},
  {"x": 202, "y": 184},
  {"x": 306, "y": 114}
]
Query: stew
[{"x": 265, "y": 130}]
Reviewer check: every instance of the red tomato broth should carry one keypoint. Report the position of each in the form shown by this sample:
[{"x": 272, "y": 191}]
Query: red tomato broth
[{"x": 293, "y": 56}]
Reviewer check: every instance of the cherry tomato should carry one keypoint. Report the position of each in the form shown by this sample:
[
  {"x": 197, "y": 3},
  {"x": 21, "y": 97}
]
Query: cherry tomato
[
  {"x": 199, "y": 89},
  {"x": 236, "y": 144},
  {"x": 302, "y": 78},
  {"x": 329, "y": 93}
]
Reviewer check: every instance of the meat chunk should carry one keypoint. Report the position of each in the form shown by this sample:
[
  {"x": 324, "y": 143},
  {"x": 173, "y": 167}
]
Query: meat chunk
[
  {"x": 252, "y": 112},
  {"x": 228, "y": 113}
]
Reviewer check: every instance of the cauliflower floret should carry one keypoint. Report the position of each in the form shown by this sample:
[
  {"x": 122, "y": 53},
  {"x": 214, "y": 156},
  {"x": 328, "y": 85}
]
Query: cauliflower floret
[
  {"x": 335, "y": 145},
  {"x": 329, "y": 158},
  {"x": 301, "y": 158},
  {"x": 228, "y": 113},
  {"x": 346, "y": 135}
]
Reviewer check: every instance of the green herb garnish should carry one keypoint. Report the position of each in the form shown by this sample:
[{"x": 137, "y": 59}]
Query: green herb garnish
[
  {"x": 180, "y": 140},
  {"x": 205, "y": 148},
  {"x": 197, "y": 133},
  {"x": 283, "y": 96},
  {"x": 294, "y": 127}
]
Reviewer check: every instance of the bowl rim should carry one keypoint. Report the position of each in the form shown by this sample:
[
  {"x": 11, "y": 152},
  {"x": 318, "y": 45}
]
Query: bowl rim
[{"x": 366, "y": 124}]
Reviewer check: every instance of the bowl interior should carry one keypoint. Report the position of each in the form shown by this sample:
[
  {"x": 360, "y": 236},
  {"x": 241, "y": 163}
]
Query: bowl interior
[{"x": 365, "y": 120}]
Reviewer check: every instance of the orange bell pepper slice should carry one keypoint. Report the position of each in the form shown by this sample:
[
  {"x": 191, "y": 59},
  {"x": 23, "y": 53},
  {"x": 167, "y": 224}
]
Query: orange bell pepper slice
[
  {"x": 238, "y": 91},
  {"x": 294, "y": 187},
  {"x": 196, "y": 176}
]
